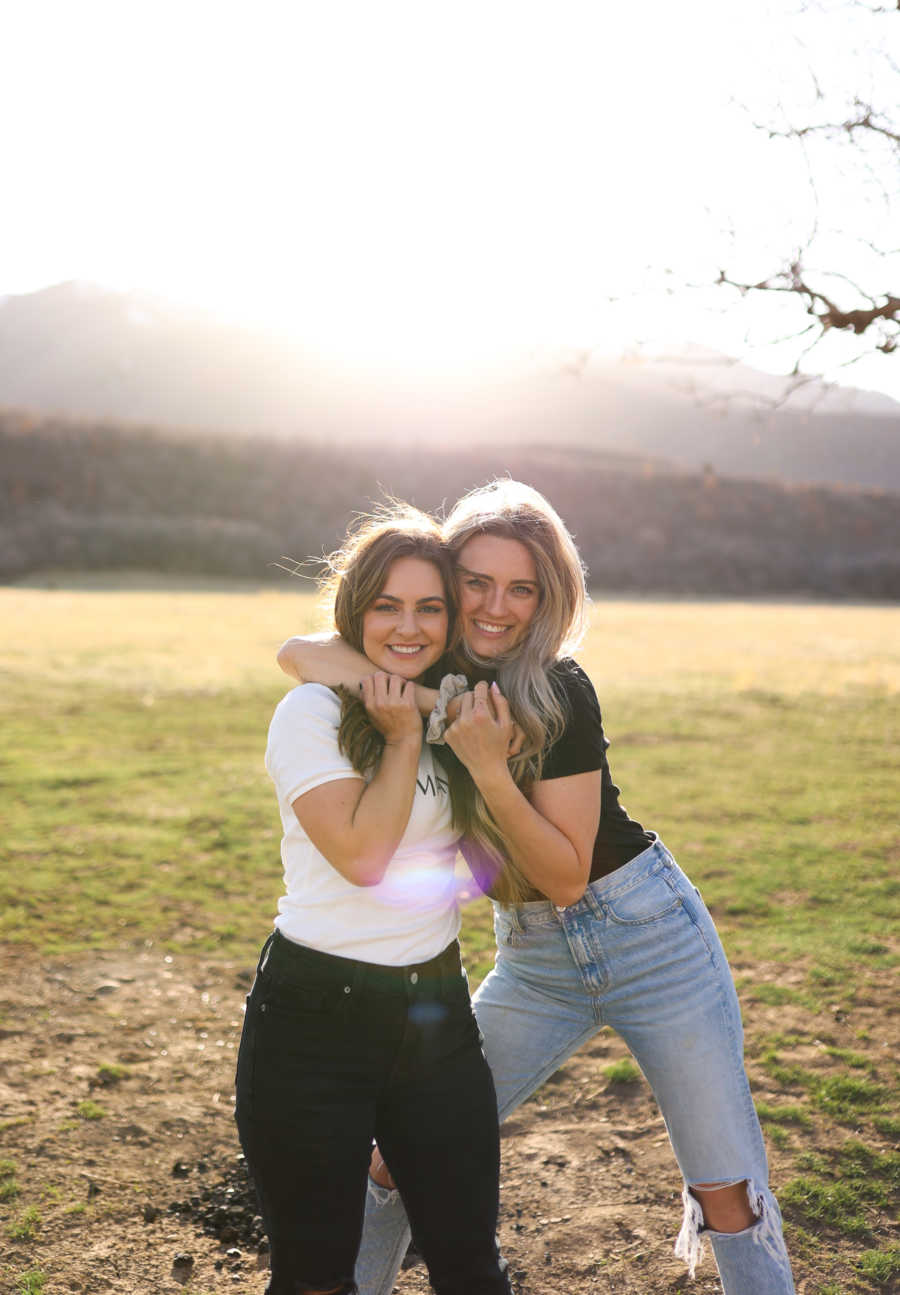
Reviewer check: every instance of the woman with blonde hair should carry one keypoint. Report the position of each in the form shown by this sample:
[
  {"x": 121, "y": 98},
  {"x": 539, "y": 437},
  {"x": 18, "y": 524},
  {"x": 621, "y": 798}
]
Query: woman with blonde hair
[
  {"x": 359, "y": 1024},
  {"x": 595, "y": 922}
]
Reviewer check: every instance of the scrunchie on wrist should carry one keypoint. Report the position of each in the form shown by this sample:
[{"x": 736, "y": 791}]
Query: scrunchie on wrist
[{"x": 452, "y": 685}]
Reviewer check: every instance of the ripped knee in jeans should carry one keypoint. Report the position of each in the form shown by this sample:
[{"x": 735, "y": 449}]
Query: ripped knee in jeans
[
  {"x": 764, "y": 1216},
  {"x": 382, "y": 1195},
  {"x": 726, "y": 1205}
]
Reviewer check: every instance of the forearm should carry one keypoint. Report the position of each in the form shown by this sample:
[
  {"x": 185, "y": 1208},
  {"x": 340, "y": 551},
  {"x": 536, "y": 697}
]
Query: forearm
[
  {"x": 330, "y": 661},
  {"x": 543, "y": 853},
  {"x": 380, "y": 816}
]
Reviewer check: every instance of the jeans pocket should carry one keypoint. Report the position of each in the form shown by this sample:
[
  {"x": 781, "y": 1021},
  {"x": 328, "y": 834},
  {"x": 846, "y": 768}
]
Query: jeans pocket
[
  {"x": 297, "y": 1050},
  {"x": 652, "y": 898},
  {"x": 294, "y": 1002}
]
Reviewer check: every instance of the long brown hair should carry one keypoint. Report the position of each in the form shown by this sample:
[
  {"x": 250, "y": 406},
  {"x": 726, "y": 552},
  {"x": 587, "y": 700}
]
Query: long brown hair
[{"x": 358, "y": 571}]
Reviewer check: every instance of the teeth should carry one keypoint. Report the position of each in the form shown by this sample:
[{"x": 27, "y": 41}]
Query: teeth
[
  {"x": 490, "y": 629},
  {"x": 406, "y": 651}
]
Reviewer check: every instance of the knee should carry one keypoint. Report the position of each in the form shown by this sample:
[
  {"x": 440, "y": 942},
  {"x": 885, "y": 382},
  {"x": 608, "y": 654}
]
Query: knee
[
  {"x": 726, "y": 1206},
  {"x": 379, "y": 1172}
]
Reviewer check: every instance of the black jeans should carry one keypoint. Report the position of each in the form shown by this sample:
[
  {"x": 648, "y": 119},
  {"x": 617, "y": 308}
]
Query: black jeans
[{"x": 335, "y": 1052}]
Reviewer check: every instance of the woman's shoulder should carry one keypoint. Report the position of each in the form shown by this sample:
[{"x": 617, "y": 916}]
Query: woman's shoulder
[
  {"x": 308, "y": 701},
  {"x": 303, "y": 728},
  {"x": 571, "y": 681}
]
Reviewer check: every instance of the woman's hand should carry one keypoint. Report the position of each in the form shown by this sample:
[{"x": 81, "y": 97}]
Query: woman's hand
[
  {"x": 550, "y": 834},
  {"x": 391, "y": 705},
  {"x": 482, "y": 733}
]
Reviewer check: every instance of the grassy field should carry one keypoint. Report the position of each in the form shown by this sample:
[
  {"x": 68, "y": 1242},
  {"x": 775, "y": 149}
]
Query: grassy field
[{"x": 760, "y": 740}]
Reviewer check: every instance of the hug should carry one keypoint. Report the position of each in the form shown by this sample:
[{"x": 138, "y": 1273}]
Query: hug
[{"x": 447, "y": 711}]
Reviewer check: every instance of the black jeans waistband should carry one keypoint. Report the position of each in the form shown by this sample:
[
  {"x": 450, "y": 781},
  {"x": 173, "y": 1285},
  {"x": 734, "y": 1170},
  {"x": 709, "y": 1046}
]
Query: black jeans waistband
[{"x": 283, "y": 960}]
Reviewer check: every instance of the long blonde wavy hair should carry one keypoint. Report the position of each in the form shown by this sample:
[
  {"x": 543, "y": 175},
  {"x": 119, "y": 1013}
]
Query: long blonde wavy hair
[{"x": 513, "y": 511}]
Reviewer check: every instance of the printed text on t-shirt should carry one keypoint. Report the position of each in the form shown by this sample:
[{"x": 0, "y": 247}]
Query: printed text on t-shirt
[{"x": 428, "y": 788}]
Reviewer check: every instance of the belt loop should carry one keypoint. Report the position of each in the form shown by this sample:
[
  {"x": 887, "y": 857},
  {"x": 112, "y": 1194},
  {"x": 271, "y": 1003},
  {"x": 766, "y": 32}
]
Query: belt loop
[
  {"x": 516, "y": 933},
  {"x": 357, "y": 983},
  {"x": 264, "y": 953},
  {"x": 594, "y": 903}
]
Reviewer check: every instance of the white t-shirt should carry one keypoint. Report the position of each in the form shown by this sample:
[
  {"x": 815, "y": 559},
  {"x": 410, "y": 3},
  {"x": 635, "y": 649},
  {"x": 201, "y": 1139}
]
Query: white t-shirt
[{"x": 412, "y": 914}]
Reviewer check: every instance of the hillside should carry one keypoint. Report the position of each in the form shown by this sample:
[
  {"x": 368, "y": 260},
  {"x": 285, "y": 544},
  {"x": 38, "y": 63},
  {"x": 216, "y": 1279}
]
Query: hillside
[
  {"x": 84, "y": 495},
  {"x": 79, "y": 350}
]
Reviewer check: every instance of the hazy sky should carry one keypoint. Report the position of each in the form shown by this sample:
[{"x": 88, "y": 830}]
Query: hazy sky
[{"x": 429, "y": 185}]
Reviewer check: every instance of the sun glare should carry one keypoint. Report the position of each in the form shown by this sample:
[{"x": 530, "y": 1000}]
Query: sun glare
[{"x": 401, "y": 185}]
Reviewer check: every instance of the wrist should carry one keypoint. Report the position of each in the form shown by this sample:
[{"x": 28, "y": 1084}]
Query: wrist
[
  {"x": 494, "y": 780},
  {"x": 452, "y": 686},
  {"x": 404, "y": 742}
]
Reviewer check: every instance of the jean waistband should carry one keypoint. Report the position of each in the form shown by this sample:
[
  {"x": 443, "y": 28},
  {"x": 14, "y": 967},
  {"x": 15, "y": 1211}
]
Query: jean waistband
[
  {"x": 655, "y": 856},
  {"x": 282, "y": 959}
]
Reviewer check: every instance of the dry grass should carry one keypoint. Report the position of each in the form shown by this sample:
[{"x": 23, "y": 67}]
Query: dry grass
[
  {"x": 182, "y": 636},
  {"x": 758, "y": 738},
  {"x": 776, "y": 647}
]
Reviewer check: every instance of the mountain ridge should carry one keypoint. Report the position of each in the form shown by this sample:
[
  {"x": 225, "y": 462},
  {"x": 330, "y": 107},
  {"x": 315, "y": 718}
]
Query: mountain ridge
[
  {"x": 84, "y": 351},
  {"x": 85, "y": 496}
]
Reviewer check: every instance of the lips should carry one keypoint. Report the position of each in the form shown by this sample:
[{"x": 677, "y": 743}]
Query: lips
[
  {"x": 494, "y": 630},
  {"x": 406, "y": 649}
]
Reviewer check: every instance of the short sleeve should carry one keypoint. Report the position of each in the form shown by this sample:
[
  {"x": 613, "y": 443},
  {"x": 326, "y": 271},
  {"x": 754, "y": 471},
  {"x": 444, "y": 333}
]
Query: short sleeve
[
  {"x": 302, "y": 751},
  {"x": 582, "y": 746}
]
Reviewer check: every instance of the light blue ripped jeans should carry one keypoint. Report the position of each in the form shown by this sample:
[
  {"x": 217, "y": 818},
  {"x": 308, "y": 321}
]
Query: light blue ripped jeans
[{"x": 638, "y": 952}]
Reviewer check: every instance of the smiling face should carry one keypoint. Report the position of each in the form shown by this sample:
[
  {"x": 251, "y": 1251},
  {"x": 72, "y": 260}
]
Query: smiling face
[
  {"x": 498, "y": 593},
  {"x": 405, "y": 627}
]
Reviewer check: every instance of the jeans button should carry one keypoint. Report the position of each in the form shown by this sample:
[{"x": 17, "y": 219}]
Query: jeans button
[
  {"x": 414, "y": 978},
  {"x": 346, "y": 989}
]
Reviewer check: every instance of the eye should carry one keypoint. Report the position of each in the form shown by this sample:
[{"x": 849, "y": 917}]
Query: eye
[
  {"x": 475, "y": 582},
  {"x": 382, "y": 607},
  {"x": 523, "y": 591},
  {"x": 433, "y": 609}
]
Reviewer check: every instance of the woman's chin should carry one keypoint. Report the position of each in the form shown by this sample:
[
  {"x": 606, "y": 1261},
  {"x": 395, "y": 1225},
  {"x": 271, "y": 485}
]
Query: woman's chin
[
  {"x": 482, "y": 648},
  {"x": 407, "y": 667}
]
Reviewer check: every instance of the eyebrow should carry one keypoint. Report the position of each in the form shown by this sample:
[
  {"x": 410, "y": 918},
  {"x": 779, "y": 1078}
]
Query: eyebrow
[
  {"x": 467, "y": 571},
  {"x": 430, "y": 598}
]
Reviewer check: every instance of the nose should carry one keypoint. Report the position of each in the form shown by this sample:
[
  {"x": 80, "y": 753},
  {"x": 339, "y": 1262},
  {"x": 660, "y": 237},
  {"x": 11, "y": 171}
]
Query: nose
[
  {"x": 496, "y": 602},
  {"x": 409, "y": 625}
]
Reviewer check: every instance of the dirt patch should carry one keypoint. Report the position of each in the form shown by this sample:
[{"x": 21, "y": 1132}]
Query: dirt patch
[{"x": 116, "y": 1096}]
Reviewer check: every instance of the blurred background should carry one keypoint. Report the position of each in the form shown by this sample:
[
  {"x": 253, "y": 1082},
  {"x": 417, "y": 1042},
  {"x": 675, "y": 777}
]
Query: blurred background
[{"x": 259, "y": 267}]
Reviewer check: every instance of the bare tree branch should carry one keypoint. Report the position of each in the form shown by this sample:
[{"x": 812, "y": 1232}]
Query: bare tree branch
[
  {"x": 866, "y": 119},
  {"x": 825, "y": 311},
  {"x": 841, "y": 113}
]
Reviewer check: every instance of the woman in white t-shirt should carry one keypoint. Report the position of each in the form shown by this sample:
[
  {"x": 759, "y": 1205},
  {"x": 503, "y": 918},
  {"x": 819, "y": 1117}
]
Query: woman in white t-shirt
[{"x": 359, "y": 1024}]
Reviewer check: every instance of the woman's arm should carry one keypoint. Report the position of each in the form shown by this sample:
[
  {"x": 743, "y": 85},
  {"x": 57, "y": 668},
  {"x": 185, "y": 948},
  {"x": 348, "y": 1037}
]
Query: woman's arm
[
  {"x": 550, "y": 837},
  {"x": 330, "y": 661},
  {"x": 356, "y": 825},
  {"x": 325, "y": 659}
]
